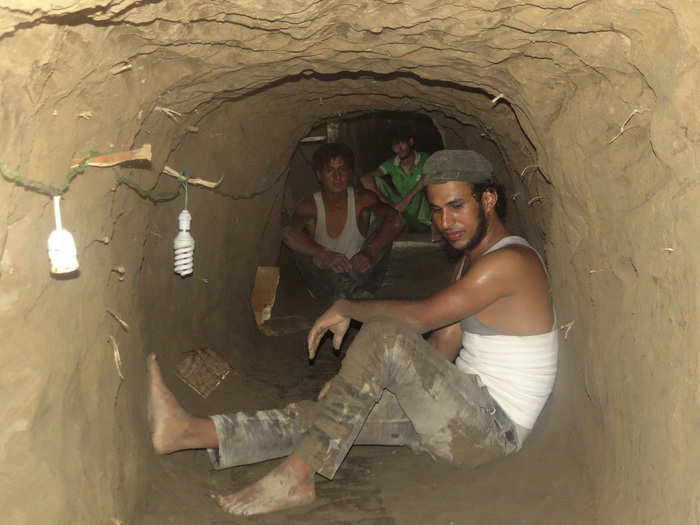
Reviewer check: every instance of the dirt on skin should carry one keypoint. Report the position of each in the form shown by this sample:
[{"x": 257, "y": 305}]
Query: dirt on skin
[{"x": 587, "y": 108}]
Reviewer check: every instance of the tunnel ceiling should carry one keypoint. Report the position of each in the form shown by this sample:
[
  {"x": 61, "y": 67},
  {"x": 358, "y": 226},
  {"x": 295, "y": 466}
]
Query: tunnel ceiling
[{"x": 192, "y": 56}]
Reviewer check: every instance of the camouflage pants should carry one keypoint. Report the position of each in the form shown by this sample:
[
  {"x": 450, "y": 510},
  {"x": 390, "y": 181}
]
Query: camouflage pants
[{"x": 424, "y": 403}]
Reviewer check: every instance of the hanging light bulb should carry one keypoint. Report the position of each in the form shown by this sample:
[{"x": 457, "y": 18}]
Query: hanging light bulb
[
  {"x": 184, "y": 246},
  {"x": 62, "y": 252}
]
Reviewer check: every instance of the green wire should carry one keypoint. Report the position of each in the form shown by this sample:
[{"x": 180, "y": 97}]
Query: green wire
[
  {"x": 154, "y": 196},
  {"x": 47, "y": 189},
  {"x": 149, "y": 194}
]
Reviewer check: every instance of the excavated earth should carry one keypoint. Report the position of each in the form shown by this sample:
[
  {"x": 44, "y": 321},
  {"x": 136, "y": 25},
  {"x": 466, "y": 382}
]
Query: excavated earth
[{"x": 589, "y": 109}]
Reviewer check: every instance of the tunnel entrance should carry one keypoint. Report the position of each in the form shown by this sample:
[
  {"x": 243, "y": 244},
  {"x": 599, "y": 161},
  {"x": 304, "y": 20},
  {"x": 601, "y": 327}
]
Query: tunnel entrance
[{"x": 366, "y": 135}]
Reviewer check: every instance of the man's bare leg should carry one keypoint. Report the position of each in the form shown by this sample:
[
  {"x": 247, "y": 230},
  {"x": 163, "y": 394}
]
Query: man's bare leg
[
  {"x": 289, "y": 485},
  {"x": 172, "y": 428}
]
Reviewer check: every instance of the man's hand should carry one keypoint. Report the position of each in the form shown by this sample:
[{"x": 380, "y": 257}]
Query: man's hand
[
  {"x": 335, "y": 261},
  {"x": 402, "y": 204},
  {"x": 361, "y": 261},
  {"x": 332, "y": 320}
]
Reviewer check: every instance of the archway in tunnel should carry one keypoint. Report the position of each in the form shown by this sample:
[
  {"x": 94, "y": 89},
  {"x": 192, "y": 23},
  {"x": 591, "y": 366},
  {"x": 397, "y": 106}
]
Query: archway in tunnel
[
  {"x": 366, "y": 135},
  {"x": 586, "y": 108},
  {"x": 366, "y": 132}
]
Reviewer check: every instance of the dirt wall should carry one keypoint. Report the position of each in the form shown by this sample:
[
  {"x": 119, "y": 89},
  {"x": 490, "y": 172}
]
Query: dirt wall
[{"x": 599, "y": 95}]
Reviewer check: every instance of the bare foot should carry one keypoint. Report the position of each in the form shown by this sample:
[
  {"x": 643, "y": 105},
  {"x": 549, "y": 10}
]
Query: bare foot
[
  {"x": 169, "y": 421},
  {"x": 289, "y": 485}
]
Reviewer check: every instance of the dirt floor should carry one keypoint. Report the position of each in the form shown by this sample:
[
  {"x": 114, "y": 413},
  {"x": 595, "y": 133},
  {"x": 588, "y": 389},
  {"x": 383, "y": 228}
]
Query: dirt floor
[{"x": 375, "y": 485}]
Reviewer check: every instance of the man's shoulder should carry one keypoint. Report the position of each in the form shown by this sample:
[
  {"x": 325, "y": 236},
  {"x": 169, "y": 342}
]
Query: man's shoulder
[
  {"x": 365, "y": 197},
  {"x": 422, "y": 157},
  {"x": 306, "y": 207},
  {"x": 387, "y": 165},
  {"x": 500, "y": 273},
  {"x": 512, "y": 261}
]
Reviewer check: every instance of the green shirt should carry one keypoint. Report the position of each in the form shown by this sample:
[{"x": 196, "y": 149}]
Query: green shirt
[{"x": 417, "y": 213}]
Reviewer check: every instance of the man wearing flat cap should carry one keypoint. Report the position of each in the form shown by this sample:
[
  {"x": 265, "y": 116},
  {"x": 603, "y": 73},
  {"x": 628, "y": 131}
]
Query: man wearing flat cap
[{"x": 468, "y": 394}]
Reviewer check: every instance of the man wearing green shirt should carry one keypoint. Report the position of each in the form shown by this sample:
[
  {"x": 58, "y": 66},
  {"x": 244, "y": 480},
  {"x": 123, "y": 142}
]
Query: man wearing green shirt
[{"x": 399, "y": 181}]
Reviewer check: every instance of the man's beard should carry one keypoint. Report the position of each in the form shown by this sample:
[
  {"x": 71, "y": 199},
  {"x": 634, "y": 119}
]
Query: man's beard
[{"x": 480, "y": 232}]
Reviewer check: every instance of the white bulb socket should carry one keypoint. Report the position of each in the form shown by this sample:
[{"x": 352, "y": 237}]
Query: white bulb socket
[
  {"x": 183, "y": 246},
  {"x": 62, "y": 252}
]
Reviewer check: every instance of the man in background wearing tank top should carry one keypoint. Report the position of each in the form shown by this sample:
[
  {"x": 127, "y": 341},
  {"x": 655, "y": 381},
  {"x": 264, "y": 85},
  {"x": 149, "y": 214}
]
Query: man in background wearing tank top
[
  {"x": 467, "y": 395},
  {"x": 341, "y": 236}
]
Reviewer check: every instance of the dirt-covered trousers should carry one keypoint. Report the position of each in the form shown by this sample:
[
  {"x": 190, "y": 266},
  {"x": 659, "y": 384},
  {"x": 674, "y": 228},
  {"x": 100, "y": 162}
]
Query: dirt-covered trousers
[
  {"x": 328, "y": 285},
  {"x": 434, "y": 408}
]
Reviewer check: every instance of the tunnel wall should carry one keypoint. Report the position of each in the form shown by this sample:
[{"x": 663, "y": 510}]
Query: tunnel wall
[{"x": 615, "y": 216}]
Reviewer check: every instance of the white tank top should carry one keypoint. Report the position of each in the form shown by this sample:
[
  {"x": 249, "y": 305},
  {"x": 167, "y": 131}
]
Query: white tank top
[
  {"x": 519, "y": 371},
  {"x": 350, "y": 240}
]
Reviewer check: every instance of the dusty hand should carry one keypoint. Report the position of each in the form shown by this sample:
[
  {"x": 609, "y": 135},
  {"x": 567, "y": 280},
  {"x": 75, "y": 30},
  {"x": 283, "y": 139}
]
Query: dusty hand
[
  {"x": 335, "y": 261},
  {"x": 361, "y": 262},
  {"x": 331, "y": 320}
]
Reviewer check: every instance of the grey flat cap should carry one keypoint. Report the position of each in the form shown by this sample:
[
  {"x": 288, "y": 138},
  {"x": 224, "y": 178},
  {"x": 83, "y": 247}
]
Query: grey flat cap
[{"x": 457, "y": 165}]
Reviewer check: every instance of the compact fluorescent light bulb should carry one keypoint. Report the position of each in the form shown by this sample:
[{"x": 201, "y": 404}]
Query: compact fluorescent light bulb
[
  {"x": 184, "y": 246},
  {"x": 62, "y": 252}
]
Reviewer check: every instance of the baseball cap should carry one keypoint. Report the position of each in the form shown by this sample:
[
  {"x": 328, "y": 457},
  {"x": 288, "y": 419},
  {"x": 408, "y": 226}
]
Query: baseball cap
[{"x": 457, "y": 165}]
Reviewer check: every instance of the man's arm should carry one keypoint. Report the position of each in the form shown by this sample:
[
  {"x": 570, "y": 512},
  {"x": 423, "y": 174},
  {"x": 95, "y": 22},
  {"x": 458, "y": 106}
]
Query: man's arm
[
  {"x": 403, "y": 203},
  {"x": 488, "y": 280},
  {"x": 447, "y": 341},
  {"x": 368, "y": 183},
  {"x": 299, "y": 238},
  {"x": 391, "y": 225},
  {"x": 508, "y": 288}
]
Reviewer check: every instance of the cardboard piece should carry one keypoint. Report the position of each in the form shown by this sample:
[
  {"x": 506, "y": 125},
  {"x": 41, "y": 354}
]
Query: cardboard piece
[
  {"x": 267, "y": 278},
  {"x": 203, "y": 370}
]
